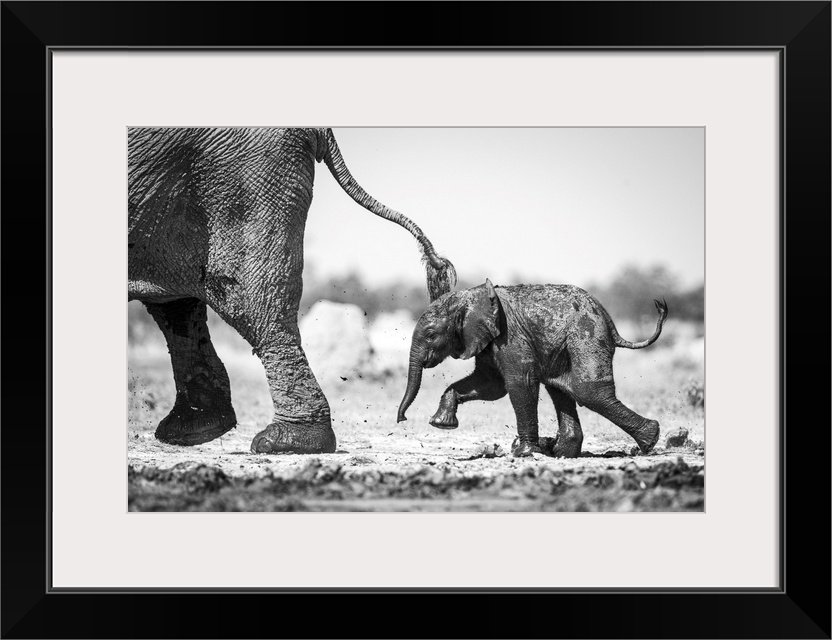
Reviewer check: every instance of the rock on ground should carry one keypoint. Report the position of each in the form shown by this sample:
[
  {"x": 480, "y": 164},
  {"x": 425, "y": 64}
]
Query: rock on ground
[{"x": 677, "y": 438}]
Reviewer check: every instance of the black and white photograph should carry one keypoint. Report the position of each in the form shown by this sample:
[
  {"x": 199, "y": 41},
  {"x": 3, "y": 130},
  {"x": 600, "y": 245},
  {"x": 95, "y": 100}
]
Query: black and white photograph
[
  {"x": 430, "y": 309},
  {"x": 460, "y": 319}
]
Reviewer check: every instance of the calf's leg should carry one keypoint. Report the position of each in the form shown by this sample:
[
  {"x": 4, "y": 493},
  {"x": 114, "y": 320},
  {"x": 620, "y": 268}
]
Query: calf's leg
[
  {"x": 484, "y": 383},
  {"x": 600, "y": 397},
  {"x": 523, "y": 392},
  {"x": 570, "y": 436}
]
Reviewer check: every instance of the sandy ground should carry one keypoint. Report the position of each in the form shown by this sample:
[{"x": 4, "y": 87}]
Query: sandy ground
[{"x": 380, "y": 464}]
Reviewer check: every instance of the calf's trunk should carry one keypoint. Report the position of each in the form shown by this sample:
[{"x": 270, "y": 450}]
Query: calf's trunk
[{"x": 414, "y": 381}]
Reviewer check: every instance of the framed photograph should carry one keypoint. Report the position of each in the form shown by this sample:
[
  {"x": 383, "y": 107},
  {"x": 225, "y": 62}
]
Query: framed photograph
[{"x": 405, "y": 385}]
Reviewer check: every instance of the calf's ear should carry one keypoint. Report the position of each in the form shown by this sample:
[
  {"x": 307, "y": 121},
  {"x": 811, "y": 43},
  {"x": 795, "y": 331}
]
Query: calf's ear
[{"x": 479, "y": 320}]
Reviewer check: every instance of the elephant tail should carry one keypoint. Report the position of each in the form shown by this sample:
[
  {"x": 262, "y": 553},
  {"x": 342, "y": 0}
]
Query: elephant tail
[
  {"x": 661, "y": 307},
  {"x": 441, "y": 275}
]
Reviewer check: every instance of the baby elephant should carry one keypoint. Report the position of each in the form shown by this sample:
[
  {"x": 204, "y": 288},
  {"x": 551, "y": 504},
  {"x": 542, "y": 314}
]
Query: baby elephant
[{"x": 523, "y": 336}]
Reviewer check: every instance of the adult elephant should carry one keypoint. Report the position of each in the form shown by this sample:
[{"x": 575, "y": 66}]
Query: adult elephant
[{"x": 216, "y": 218}]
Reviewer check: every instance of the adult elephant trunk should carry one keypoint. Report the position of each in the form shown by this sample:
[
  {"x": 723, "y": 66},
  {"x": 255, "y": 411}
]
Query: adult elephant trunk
[
  {"x": 414, "y": 379},
  {"x": 441, "y": 275}
]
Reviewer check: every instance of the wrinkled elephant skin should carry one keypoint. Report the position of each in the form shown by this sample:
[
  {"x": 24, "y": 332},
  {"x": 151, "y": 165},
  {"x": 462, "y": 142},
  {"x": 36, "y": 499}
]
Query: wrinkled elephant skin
[
  {"x": 216, "y": 218},
  {"x": 521, "y": 337}
]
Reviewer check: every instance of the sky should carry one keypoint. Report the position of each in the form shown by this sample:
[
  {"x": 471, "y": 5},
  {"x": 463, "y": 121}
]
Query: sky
[{"x": 534, "y": 205}]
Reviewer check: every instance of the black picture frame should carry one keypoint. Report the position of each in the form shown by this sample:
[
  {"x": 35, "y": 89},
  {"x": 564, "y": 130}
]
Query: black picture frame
[{"x": 799, "y": 608}]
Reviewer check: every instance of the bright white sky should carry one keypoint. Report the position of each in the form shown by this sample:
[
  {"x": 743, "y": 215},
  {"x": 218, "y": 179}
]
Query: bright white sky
[{"x": 554, "y": 205}]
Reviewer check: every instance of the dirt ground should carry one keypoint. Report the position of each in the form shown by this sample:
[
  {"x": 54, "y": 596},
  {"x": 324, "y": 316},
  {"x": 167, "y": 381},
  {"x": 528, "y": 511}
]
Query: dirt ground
[{"x": 384, "y": 466}]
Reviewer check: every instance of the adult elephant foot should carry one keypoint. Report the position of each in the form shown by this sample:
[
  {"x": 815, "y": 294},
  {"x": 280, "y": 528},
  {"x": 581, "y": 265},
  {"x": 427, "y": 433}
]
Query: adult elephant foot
[
  {"x": 189, "y": 426},
  {"x": 294, "y": 438}
]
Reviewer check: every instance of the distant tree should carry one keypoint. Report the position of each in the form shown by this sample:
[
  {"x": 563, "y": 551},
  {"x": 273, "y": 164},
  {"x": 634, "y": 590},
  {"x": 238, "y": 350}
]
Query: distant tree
[
  {"x": 631, "y": 293},
  {"x": 691, "y": 304},
  {"x": 351, "y": 289},
  {"x": 628, "y": 296}
]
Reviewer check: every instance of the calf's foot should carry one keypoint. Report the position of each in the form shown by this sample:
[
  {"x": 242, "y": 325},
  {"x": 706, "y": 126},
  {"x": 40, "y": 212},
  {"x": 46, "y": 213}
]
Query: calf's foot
[
  {"x": 525, "y": 448},
  {"x": 547, "y": 444},
  {"x": 647, "y": 436},
  {"x": 445, "y": 416},
  {"x": 568, "y": 446}
]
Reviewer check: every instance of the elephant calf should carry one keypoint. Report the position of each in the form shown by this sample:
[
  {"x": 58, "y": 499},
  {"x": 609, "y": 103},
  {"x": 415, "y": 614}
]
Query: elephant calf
[{"x": 522, "y": 336}]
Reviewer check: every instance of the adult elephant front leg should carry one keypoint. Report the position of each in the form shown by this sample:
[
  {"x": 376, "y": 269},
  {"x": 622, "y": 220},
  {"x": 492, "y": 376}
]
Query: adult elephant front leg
[{"x": 301, "y": 422}]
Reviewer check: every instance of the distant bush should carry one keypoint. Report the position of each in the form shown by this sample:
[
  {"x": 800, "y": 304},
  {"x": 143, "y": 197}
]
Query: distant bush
[
  {"x": 695, "y": 393},
  {"x": 351, "y": 289},
  {"x": 630, "y": 295}
]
